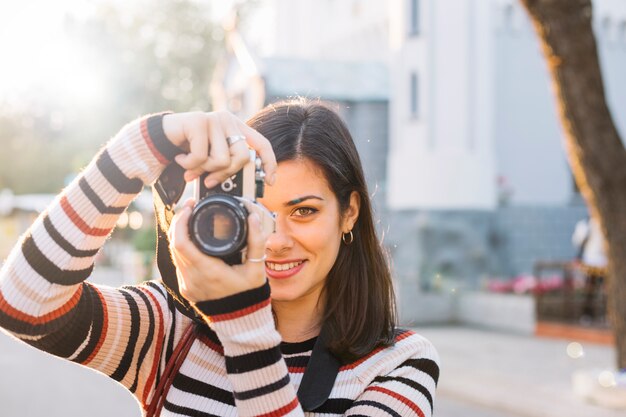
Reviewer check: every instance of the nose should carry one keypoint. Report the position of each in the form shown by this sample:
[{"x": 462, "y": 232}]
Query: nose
[{"x": 280, "y": 241}]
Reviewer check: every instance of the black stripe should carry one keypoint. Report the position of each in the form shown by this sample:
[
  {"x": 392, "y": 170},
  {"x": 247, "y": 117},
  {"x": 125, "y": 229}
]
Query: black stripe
[
  {"x": 127, "y": 357},
  {"x": 297, "y": 361},
  {"x": 96, "y": 200},
  {"x": 252, "y": 361},
  {"x": 427, "y": 366},
  {"x": 97, "y": 324},
  {"x": 186, "y": 411},
  {"x": 235, "y": 302},
  {"x": 64, "y": 244},
  {"x": 297, "y": 347},
  {"x": 149, "y": 337},
  {"x": 170, "y": 342},
  {"x": 159, "y": 139},
  {"x": 157, "y": 287},
  {"x": 380, "y": 406},
  {"x": 74, "y": 330},
  {"x": 116, "y": 177},
  {"x": 211, "y": 335},
  {"x": 409, "y": 382},
  {"x": 48, "y": 270},
  {"x": 264, "y": 390},
  {"x": 337, "y": 406},
  {"x": 202, "y": 389}
]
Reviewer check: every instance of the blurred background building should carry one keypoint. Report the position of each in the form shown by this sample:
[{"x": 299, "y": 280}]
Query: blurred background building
[
  {"x": 450, "y": 107},
  {"x": 448, "y": 102}
]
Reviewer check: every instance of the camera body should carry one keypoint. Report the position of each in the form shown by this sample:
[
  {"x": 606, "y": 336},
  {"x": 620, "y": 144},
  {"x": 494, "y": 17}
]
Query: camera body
[{"x": 218, "y": 225}]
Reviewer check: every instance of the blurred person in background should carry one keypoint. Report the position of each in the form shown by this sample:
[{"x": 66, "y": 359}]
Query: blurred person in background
[
  {"x": 589, "y": 242},
  {"x": 305, "y": 325}
]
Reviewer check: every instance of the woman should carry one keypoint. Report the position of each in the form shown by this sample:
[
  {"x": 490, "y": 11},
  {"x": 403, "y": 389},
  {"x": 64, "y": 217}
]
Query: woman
[{"x": 324, "y": 341}]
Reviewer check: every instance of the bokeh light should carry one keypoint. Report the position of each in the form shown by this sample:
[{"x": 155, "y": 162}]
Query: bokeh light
[
  {"x": 607, "y": 379},
  {"x": 575, "y": 350}
]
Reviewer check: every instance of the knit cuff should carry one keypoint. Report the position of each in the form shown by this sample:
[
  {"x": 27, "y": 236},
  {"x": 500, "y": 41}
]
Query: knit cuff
[
  {"x": 235, "y": 306},
  {"x": 243, "y": 322},
  {"x": 161, "y": 146}
]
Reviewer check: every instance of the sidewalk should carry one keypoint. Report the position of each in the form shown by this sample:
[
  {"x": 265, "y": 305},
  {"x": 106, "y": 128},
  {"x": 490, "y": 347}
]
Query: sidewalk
[{"x": 516, "y": 375}]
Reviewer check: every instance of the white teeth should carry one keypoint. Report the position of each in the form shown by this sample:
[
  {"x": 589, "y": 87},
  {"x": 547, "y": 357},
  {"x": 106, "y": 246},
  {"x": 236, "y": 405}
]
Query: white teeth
[{"x": 282, "y": 267}]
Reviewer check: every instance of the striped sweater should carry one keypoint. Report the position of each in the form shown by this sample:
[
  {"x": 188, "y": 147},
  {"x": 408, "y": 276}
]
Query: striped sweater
[{"x": 237, "y": 366}]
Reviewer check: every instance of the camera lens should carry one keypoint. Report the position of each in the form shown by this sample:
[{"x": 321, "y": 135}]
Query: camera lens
[{"x": 218, "y": 225}]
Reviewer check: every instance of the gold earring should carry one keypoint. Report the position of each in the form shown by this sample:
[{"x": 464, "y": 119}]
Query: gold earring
[{"x": 346, "y": 241}]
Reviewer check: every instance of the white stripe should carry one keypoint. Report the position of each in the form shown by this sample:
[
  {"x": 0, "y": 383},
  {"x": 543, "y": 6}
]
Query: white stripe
[
  {"x": 115, "y": 346},
  {"x": 82, "y": 345}
]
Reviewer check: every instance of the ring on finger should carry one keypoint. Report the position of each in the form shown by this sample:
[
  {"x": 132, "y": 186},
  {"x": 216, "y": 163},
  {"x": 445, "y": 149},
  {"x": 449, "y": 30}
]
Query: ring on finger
[
  {"x": 257, "y": 260},
  {"x": 231, "y": 140}
]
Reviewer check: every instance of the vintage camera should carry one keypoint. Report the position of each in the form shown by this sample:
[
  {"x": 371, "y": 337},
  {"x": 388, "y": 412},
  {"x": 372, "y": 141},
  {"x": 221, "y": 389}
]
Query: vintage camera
[
  {"x": 219, "y": 222},
  {"x": 218, "y": 225}
]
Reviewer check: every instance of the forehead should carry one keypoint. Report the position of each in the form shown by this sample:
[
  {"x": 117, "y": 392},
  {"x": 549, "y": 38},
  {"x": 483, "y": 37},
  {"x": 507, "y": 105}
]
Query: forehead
[{"x": 299, "y": 177}]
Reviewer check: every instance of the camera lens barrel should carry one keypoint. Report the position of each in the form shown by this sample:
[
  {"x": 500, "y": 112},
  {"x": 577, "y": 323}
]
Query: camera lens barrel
[{"x": 218, "y": 225}]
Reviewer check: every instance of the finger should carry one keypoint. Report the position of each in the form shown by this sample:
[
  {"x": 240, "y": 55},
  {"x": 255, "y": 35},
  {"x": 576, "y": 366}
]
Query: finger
[
  {"x": 179, "y": 235},
  {"x": 240, "y": 156},
  {"x": 263, "y": 147},
  {"x": 219, "y": 155},
  {"x": 198, "y": 152},
  {"x": 256, "y": 243}
]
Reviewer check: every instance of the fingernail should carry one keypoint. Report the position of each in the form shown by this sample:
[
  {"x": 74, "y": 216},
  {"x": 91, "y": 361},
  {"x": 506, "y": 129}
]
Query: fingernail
[
  {"x": 210, "y": 183},
  {"x": 272, "y": 179}
]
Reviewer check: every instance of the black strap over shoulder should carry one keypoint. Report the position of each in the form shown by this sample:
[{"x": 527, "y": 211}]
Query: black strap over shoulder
[{"x": 319, "y": 378}]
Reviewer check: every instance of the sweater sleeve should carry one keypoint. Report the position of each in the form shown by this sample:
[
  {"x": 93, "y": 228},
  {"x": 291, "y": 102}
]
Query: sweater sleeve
[
  {"x": 254, "y": 363},
  {"x": 408, "y": 389},
  {"x": 44, "y": 300}
]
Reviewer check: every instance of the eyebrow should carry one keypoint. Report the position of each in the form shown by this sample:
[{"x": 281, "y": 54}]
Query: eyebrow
[{"x": 301, "y": 199}]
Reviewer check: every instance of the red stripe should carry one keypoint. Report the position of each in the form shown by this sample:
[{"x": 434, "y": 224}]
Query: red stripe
[
  {"x": 105, "y": 326},
  {"x": 404, "y": 335},
  {"x": 375, "y": 351},
  {"x": 398, "y": 397},
  {"x": 146, "y": 137},
  {"x": 159, "y": 347},
  {"x": 240, "y": 313},
  {"x": 281, "y": 411},
  {"x": 33, "y": 320},
  {"x": 296, "y": 369},
  {"x": 80, "y": 223},
  {"x": 211, "y": 344},
  {"x": 363, "y": 359}
]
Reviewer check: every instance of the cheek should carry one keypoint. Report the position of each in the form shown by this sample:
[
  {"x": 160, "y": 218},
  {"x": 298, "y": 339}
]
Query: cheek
[{"x": 321, "y": 239}]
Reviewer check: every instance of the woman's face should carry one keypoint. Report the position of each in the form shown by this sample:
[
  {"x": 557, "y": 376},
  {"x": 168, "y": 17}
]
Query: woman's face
[{"x": 309, "y": 227}]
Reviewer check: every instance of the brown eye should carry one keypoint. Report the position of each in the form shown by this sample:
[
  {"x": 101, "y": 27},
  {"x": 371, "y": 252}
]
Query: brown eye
[{"x": 304, "y": 211}]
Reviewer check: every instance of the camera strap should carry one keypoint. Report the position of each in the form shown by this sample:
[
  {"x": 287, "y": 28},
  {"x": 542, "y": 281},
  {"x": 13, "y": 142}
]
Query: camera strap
[{"x": 166, "y": 192}]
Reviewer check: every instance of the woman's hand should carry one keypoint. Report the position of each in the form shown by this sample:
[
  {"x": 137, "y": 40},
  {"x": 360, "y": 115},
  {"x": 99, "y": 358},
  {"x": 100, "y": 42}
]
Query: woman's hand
[
  {"x": 203, "y": 136},
  {"x": 202, "y": 277}
]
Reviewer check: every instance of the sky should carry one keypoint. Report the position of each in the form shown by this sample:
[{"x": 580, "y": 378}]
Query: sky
[
  {"x": 35, "y": 52},
  {"x": 37, "y": 56}
]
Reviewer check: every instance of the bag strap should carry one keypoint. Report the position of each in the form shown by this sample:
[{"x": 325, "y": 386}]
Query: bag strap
[{"x": 171, "y": 370}]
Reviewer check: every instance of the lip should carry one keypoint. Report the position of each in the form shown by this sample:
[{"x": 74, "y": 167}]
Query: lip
[{"x": 284, "y": 274}]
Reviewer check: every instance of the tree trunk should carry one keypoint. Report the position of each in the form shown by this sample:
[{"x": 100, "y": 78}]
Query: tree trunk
[{"x": 595, "y": 151}]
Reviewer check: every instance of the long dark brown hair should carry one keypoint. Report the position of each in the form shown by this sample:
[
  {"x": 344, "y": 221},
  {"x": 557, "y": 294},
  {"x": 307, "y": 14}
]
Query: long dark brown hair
[{"x": 359, "y": 311}]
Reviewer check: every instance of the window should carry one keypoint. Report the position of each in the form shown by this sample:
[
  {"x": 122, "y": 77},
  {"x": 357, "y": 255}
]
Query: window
[
  {"x": 413, "y": 96},
  {"x": 413, "y": 14}
]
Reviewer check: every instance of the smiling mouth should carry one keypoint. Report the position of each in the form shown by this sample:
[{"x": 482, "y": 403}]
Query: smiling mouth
[{"x": 273, "y": 266}]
